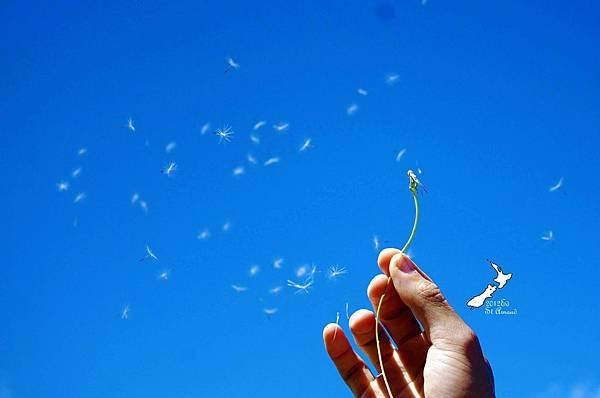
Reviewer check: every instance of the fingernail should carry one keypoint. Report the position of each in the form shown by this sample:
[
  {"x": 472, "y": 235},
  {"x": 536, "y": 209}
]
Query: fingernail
[{"x": 406, "y": 265}]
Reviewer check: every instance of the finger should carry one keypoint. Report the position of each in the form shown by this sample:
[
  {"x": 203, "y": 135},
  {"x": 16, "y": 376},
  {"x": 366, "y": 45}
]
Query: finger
[
  {"x": 394, "y": 313},
  {"x": 351, "y": 367},
  {"x": 384, "y": 258},
  {"x": 425, "y": 300},
  {"x": 362, "y": 325}
]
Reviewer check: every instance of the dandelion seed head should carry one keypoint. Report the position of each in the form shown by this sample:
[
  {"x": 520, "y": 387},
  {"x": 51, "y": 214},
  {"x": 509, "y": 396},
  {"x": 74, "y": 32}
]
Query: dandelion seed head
[
  {"x": 335, "y": 271},
  {"x": 224, "y": 134}
]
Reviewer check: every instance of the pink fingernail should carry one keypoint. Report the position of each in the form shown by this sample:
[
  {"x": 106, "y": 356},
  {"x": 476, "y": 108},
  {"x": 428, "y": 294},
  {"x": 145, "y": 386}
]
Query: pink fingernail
[{"x": 406, "y": 265}]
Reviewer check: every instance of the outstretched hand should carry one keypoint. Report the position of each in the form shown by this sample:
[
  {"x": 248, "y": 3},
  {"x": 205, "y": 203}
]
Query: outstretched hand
[{"x": 442, "y": 358}]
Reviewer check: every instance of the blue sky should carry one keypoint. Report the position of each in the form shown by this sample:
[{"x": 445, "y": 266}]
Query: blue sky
[{"x": 495, "y": 102}]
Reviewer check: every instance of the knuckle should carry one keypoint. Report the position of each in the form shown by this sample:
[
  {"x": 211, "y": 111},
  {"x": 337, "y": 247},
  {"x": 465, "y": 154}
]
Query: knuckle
[{"x": 431, "y": 293}]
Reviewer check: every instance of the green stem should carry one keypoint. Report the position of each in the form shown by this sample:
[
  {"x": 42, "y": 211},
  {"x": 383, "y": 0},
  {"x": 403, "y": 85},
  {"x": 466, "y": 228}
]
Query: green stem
[{"x": 406, "y": 245}]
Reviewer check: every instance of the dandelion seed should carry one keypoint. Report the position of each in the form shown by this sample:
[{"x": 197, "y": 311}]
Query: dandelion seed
[
  {"x": 305, "y": 145},
  {"x": 275, "y": 290},
  {"x": 76, "y": 172},
  {"x": 204, "y": 129},
  {"x": 226, "y": 226},
  {"x": 251, "y": 159},
  {"x": 347, "y": 315},
  {"x": 270, "y": 311},
  {"x": 337, "y": 322},
  {"x": 301, "y": 271},
  {"x": 259, "y": 124},
  {"x": 231, "y": 64},
  {"x": 376, "y": 242},
  {"x": 392, "y": 79},
  {"x": 239, "y": 289},
  {"x": 62, "y": 186},
  {"x": 556, "y": 186},
  {"x": 134, "y": 198},
  {"x": 351, "y": 110},
  {"x": 300, "y": 287},
  {"x": 81, "y": 151},
  {"x": 170, "y": 169},
  {"x": 130, "y": 125},
  {"x": 203, "y": 235},
  {"x": 335, "y": 271},
  {"x": 400, "y": 154},
  {"x": 362, "y": 91},
  {"x": 548, "y": 236},
  {"x": 281, "y": 127},
  {"x": 144, "y": 206},
  {"x": 125, "y": 312},
  {"x": 170, "y": 147},
  {"x": 80, "y": 196},
  {"x": 149, "y": 254},
  {"x": 278, "y": 263},
  {"x": 224, "y": 134},
  {"x": 238, "y": 171},
  {"x": 255, "y": 139},
  {"x": 254, "y": 270},
  {"x": 271, "y": 161},
  {"x": 164, "y": 275}
]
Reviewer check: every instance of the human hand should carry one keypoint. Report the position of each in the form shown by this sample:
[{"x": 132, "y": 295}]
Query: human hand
[{"x": 441, "y": 359}]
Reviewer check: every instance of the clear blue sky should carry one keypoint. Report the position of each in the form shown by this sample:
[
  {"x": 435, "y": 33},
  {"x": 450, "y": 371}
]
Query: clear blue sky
[{"x": 495, "y": 102}]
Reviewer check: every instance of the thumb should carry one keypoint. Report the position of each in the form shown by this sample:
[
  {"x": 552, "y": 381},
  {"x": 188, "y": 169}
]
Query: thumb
[{"x": 425, "y": 300}]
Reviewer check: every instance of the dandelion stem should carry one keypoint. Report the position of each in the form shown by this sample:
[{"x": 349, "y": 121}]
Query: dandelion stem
[{"x": 413, "y": 189}]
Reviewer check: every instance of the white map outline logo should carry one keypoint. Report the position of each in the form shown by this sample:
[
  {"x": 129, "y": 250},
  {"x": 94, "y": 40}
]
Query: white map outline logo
[{"x": 501, "y": 280}]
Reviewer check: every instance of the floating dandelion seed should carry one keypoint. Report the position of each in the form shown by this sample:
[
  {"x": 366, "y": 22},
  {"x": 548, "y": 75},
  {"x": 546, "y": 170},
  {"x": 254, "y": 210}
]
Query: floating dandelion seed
[
  {"x": 275, "y": 290},
  {"x": 278, "y": 263},
  {"x": 238, "y": 171},
  {"x": 271, "y": 161},
  {"x": 251, "y": 159},
  {"x": 76, "y": 172},
  {"x": 170, "y": 169},
  {"x": 337, "y": 322},
  {"x": 130, "y": 125},
  {"x": 224, "y": 134},
  {"x": 301, "y": 271},
  {"x": 238, "y": 288},
  {"x": 305, "y": 145},
  {"x": 170, "y": 147},
  {"x": 204, "y": 129},
  {"x": 231, "y": 64},
  {"x": 134, "y": 198},
  {"x": 259, "y": 124},
  {"x": 400, "y": 154},
  {"x": 301, "y": 287},
  {"x": 81, "y": 151},
  {"x": 392, "y": 79},
  {"x": 270, "y": 311},
  {"x": 254, "y": 270},
  {"x": 376, "y": 242},
  {"x": 255, "y": 139},
  {"x": 347, "y": 315},
  {"x": 226, "y": 226},
  {"x": 556, "y": 186},
  {"x": 281, "y": 127},
  {"x": 149, "y": 254},
  {"x": 335, "y": 271},
  {"x": 125, "y": 312},
  {"x": 351, "y": 110},
  {"x": 203, "y": 235},
  {"x": 164, "y": 275},
  {"x": 548, "y": 236},
  {"x": 362, "y": 91},
  {"x": 80, "y": 196},
  {"x": 62, "y": 186},
  {"x": 144, "y": 206}
]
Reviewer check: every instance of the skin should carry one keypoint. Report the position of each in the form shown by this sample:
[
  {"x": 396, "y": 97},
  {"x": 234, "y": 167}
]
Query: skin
[{"x": 442, "y": 358}]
